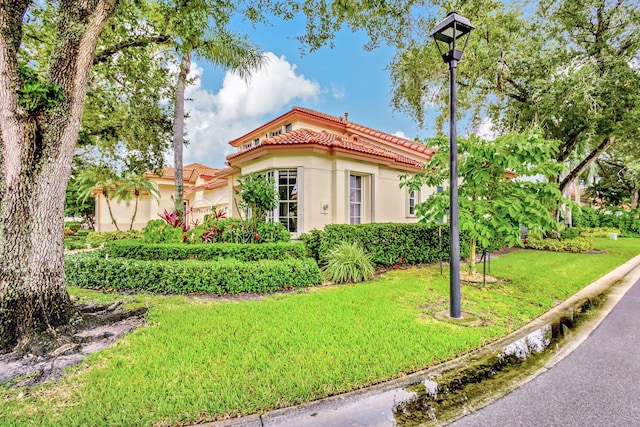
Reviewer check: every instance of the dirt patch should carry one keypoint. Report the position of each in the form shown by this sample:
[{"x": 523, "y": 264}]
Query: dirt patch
[{"x": 45, "y": 356}]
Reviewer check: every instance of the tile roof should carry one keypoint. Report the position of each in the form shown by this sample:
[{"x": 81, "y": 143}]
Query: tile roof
[
  {"x": 323, "y": 138},
  {"x": 169, "y": 172},
  {"x": 354, "y": 127}
]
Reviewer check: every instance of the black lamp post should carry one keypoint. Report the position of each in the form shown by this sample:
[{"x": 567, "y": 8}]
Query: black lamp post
[{"x": 451, "y": 36}]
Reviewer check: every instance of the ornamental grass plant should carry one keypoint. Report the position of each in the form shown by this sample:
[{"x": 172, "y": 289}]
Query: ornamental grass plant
[{"x": 348, "y": 263}]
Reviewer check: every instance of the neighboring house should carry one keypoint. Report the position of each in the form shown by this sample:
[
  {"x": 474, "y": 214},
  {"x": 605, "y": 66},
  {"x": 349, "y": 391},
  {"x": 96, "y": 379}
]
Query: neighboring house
[{"x": 327, "y": 169}]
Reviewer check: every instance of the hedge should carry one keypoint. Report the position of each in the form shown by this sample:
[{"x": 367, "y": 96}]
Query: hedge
[
  {"x": 136, "y": 249},
  {"x": 96, "y": 239},
  {"x": 228, "y": 276},
  {"x": 414, "y": 243},
  {"x": 626, "y": 221},
  {"x": 577, "y": 245}
]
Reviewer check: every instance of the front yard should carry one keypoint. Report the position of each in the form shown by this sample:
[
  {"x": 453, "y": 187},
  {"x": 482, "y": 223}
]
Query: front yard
[{"x": 203, "y": 359}]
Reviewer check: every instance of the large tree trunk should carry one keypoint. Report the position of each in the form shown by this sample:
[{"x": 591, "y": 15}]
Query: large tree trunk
[
  {"x": 35, "y": 161},
  {"x": 586, "y": 162},
  {"x": 178, "y": 133}
]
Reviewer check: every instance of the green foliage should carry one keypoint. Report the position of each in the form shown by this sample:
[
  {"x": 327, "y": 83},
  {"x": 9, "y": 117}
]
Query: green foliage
[
  {"x": 312, "y": 241},
  {"x": 566, "y": 66},
  {"x": 224, "y": 276},
  {"x": 627, "y": 222},
  {"x": 259, "y": 194},
  {"x": 272, "y": 231},
  {"x": 348, "y": 263},
  {"x": 570, "y": 233},
  {"x": 233, "y": 230},
  {"x": 579, "y": 244},
  {"x": 136, "y": 249},
  {"x": 325, "y": 342},
  {"x": 73, "y": 225},
  {"x": 36, "y": 95},
  {"x": 95, "y": 239},
  {"x": 388, "y": 242},
  {"x": 598, "y": 232},
  {"x": 492, "y": 205},
  {"x": 159, "y": 231}
]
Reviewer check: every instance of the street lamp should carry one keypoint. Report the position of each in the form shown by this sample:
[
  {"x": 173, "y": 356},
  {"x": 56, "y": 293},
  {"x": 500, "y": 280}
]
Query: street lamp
[{"x": 449, "y": 35}]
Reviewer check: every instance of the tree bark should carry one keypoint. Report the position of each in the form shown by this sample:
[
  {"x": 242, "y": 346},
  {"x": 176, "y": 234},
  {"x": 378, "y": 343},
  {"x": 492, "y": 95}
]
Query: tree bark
[
  {"x": 178, "y": 134},
  {"x": 586, "y": 162},
  {"x": 35, "y": 162}
]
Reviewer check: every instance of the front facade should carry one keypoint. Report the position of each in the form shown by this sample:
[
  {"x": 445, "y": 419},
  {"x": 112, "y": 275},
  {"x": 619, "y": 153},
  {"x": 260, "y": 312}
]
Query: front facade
[{"x": 327, "y": 169}]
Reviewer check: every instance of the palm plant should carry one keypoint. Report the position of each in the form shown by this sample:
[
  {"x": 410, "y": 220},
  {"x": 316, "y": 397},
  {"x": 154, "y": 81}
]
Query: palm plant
[
  {"x": 195, "y": 33},
  {"x": 131, "y": 186},
  {"x": 95, "y": 179}
]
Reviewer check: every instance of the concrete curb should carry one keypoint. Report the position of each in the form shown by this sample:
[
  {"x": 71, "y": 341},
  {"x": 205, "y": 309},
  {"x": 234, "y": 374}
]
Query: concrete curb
[{"x": 615, "y": 283}]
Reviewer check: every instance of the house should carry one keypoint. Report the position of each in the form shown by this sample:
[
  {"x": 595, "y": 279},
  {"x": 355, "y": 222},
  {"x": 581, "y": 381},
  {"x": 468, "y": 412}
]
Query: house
[{"x": 327, "y": 170}]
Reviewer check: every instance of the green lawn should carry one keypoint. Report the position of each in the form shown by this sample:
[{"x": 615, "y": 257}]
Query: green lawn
[{"x": 201, "y": 360}]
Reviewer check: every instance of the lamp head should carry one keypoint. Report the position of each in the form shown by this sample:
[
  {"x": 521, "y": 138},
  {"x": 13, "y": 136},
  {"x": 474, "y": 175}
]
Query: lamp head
[{"x": 451, "y": 36}]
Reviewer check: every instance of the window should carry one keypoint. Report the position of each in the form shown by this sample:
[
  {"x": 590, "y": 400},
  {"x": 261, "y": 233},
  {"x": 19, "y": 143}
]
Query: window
[
  {"x": 355, "y": 199},
  {"x": 276, "y": 132},
  {"x": 414, "y": 199},
  {"x": 256, "y": 142},
  {"x": 287, "y": 210},
  {"x": 288, "y": 128}
]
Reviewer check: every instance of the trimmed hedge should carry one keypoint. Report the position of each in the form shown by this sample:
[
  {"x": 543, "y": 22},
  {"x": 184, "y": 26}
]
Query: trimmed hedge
[
  {"x": 96, "y": 239},
  {"x": 579, "y": 244},
  {"x": 136, "y": 249},
  {"x": 226, "y": 276},
  {"x": 414, "y": 243}
]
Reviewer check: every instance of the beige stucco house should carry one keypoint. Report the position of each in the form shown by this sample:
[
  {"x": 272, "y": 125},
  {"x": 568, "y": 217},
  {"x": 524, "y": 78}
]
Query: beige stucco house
[{"x": 327, "y": 169}]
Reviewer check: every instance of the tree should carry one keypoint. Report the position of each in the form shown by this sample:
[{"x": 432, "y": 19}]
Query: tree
[
  {"x": 194, "y": 34},
  {"x": 498, "y": 192},
  {"x": 42, "y": 98},
  {"x": 74, "y": 206},
  {"x": 565, "y": 67},
  {"x": 258, "y": 196},
  {"x": 98, "y": 179},
  {"x": 131, "y": 186}
]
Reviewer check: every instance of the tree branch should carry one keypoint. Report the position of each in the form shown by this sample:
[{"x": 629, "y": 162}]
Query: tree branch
[
  {"x": 107, "y": 53},
  {"x": 584, "y": 164}
]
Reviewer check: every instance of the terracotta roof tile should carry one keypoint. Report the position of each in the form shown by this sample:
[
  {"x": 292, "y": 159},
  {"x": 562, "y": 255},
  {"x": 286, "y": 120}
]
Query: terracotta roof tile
[{"x": 324, "y": 138}]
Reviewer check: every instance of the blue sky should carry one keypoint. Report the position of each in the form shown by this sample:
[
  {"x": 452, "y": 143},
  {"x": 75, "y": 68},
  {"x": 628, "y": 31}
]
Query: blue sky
[{"x": 334, "y": 81}]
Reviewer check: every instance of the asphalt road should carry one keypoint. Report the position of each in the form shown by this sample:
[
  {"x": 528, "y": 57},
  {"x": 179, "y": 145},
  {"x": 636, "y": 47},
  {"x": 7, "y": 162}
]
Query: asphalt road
[{"x": 598, "y": 384}]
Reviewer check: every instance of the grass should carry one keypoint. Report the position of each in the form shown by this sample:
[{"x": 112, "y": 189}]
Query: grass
[{"x": 202, "y": 360}]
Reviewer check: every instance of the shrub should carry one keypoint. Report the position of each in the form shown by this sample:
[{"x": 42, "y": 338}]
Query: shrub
[
  {"x": 626, "y": 221},
  {"x": 134, "y": 249},
  {"x": 270, "y": 231},
  {"x": 348, "y": 262},
  {"x": 74, "y": 242},
  {"x": 68, "y": 232},
  {"x": 225, "y": 276},
  {"x": 233, "y": 230},
  {"x": 158, "y": 231},
  {"x": 415, "y": 243},
  {"x": 83, "y": 233},
  {"x": 95, "y": 240},
  {"x": 312, "y": 242},
  {"x": 598, "y": 232},
  {"x": 570, "y": 233},
  {"x": 580, "y": 244},
  {"x": 73, "y": 225}
]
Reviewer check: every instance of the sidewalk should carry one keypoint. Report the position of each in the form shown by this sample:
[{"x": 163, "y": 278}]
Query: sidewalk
[{"x": 374, "y": 406}]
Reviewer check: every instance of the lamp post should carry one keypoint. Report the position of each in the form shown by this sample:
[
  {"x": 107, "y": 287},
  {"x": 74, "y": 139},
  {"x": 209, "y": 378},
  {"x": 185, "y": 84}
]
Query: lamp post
[{"x": 449, "y": 35}]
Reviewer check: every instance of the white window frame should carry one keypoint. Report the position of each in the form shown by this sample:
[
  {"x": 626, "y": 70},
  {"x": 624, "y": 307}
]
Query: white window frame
[
  {"x": 413, "y": 198},
  {"x": 275, "y": 215},
  {"x": 358, "y": 180}
]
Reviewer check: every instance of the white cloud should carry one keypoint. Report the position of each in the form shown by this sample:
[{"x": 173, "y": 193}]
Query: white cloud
[
  {"x": 486, "y": 130},
  {"x": 338, "y": 91},
  {"x": 238, "y": 107},
  {"x": 400, "y": 134}
]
